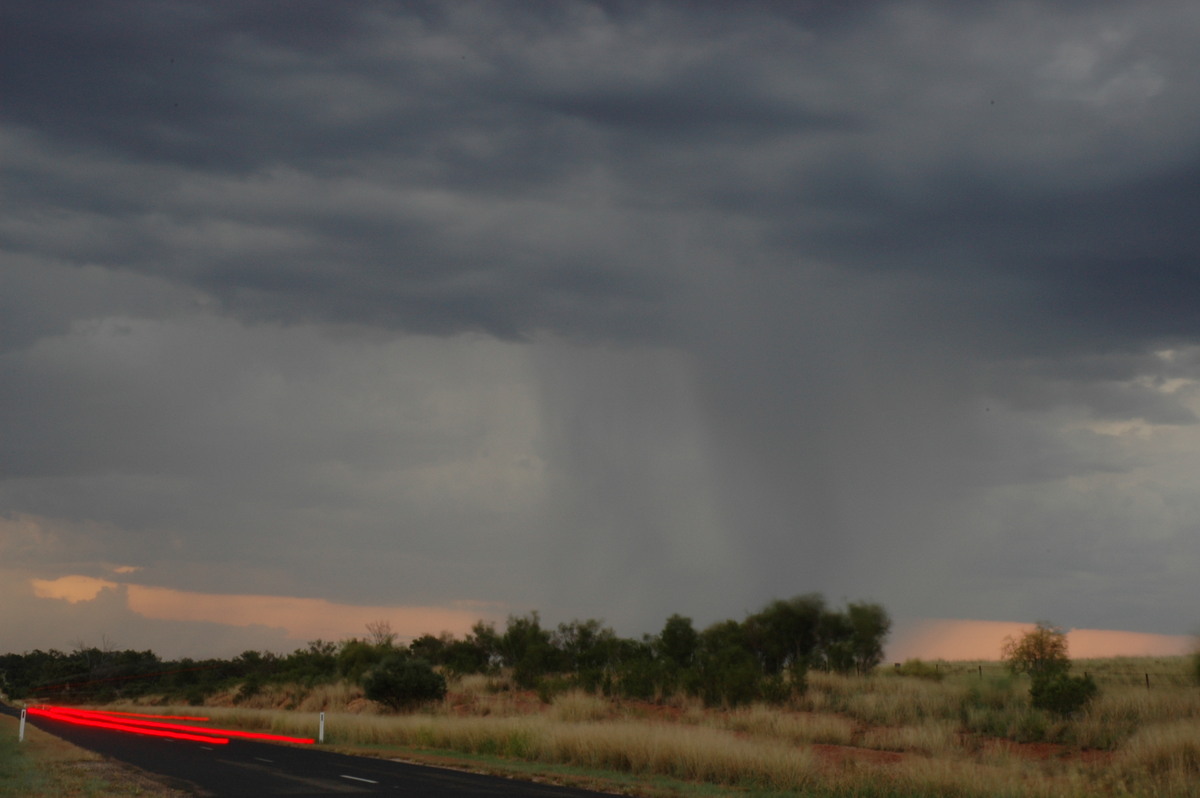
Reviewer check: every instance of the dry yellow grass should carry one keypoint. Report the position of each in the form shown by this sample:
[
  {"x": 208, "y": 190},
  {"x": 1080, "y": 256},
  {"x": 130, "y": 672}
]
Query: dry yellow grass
[
  {"x": 728, "y": 756},
  {"x": 693, "y": 753},
  {"x": 578, "y": 705},
  {"x": 884, "y": 735},
  {"x": 792, "y": 727},
  {"x": 933, "y": 738},
  {"x": 1164, "y": 755}
]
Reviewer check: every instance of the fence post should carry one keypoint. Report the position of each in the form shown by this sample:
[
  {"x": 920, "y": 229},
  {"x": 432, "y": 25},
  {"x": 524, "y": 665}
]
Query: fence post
[
  {"x": 1147, "y": 681},
  {"x": 981, "y": 672},
  {"x": 21, "y": 733}
]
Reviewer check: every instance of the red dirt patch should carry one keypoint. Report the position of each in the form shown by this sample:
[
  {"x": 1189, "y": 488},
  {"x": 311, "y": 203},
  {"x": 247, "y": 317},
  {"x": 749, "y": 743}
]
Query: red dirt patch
[
  {"x": 838, "y": 754},
  {"x": 1043, "y": 752}
]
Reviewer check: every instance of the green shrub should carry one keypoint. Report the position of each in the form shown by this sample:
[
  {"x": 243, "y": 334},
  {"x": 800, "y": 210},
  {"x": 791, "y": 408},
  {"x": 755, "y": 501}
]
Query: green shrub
[
  {"x": 776, "y": 689},
  {"x": 550, "y": 686},
  {"x": 1062, "y": 694},
  {"x": 992, "y": 708},
  {"x": 401, "y": 682},
  {"x": 730, "y": 681},
  {"x": 639, "y": 678},
  {"x": 357, "y": 657},
  {"x": 250, "y": 688},
  {"x": 921, "y": 670}
]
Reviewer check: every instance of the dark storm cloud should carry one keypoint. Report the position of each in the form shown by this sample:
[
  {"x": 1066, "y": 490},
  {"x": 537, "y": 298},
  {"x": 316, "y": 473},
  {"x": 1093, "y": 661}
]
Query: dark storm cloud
[
  {"x": 218, "y": 87},
  {"x": 866, "y": 268},
  {"x": 671, "y": 102}
]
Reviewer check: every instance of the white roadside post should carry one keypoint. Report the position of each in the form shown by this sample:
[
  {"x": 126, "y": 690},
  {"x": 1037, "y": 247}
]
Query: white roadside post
[
  {"x": 321, "y": 729},
  {"x": 21, "y": 733}
]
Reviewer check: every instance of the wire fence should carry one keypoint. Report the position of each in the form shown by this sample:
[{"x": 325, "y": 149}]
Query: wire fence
[{"x": 1149, "y": 674}]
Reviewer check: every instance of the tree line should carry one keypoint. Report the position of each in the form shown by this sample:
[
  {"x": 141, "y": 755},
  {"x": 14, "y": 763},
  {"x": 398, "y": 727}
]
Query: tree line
[{"x": 763, "y": 657}]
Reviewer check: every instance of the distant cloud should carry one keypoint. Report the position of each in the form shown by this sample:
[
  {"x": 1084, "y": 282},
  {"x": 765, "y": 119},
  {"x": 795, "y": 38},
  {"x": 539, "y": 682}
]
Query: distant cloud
[
  {"x": 301, "y": 619},
  {"x": 72, "y": 589}
]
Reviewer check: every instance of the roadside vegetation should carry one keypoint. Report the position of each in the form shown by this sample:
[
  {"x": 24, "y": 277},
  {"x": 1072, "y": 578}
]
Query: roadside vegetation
[
  {"x": 764, "y": 657},
  {"x": 739, "y": 707}
]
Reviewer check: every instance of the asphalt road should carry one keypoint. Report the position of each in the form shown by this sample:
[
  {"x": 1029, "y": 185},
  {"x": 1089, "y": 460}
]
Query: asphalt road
[{"x": 247, "y": 768}]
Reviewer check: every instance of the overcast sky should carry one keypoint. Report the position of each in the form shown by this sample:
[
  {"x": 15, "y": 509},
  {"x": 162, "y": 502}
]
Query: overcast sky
[{"x": 443, "y": 311}]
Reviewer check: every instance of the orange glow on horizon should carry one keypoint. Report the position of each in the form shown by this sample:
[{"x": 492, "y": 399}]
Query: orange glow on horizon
[
  {"x": 301, "y": 618},
  {"x": 982, "y": 640}
]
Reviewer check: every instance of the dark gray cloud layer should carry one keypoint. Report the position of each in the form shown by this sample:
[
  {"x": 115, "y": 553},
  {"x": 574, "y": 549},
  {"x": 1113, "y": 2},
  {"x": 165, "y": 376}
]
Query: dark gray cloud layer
[
  {"x": 769, "y": 297},
  {"x": 365, "y": 159}
]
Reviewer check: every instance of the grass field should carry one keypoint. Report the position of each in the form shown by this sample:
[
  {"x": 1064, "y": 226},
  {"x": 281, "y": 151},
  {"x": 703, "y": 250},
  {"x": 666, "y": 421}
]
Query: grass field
[{"x": 953, "y": 729}]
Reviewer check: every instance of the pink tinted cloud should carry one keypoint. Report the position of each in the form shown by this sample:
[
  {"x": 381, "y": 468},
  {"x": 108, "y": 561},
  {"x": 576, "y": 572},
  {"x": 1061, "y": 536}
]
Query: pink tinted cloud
[
  {"x": 302, "y": 618},
  {"x": 72, "y": 589}
]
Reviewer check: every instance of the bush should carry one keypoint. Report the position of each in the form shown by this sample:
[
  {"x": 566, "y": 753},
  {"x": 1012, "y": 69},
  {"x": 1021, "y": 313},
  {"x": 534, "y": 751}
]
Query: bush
[
  {"x": 920, "y": 670},
  {"x": 639, "y": 678},
  {"x": 250, "y": 688},
  {"x": 1041, "y": 653},
  {"x": 402, "y": 682},
  {"x": 777, "y": 689},
  {"x": 357, "y": 657},
  {"x": 1062, "y": 694}
]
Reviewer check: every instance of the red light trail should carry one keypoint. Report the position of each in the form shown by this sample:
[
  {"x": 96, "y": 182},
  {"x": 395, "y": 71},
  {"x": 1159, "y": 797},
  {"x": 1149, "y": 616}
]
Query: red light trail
[
  {"x": 193, "y": 718},
  {"x": 87, "y": 720},
  {"x": 140, "y": 724}
]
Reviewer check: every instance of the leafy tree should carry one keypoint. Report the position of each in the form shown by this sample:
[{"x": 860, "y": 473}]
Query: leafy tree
[
  {"x": 637, "y": 673},
  {"x": 487, "y": 640},
  {"x": 357, "y": 657},
  {"x": 835, "y": 636},
  {"x": 1041, "y": 653},
  {"x": 585, "y": 648},
  {"x": 784, "y": 634},
  {"x": 464, "y": 656},
  {"x": 526, "y": 648},
  {"x": 429, "y": 648},
  {"x": 679, "y": 641},
  {"x": 312, "y": 665},
  {"x": 401, "y": 682},
  {"x": 729, "y": 673},
  {"x": 870, "y": 624},
  {"x": 583, "y": 645}
]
